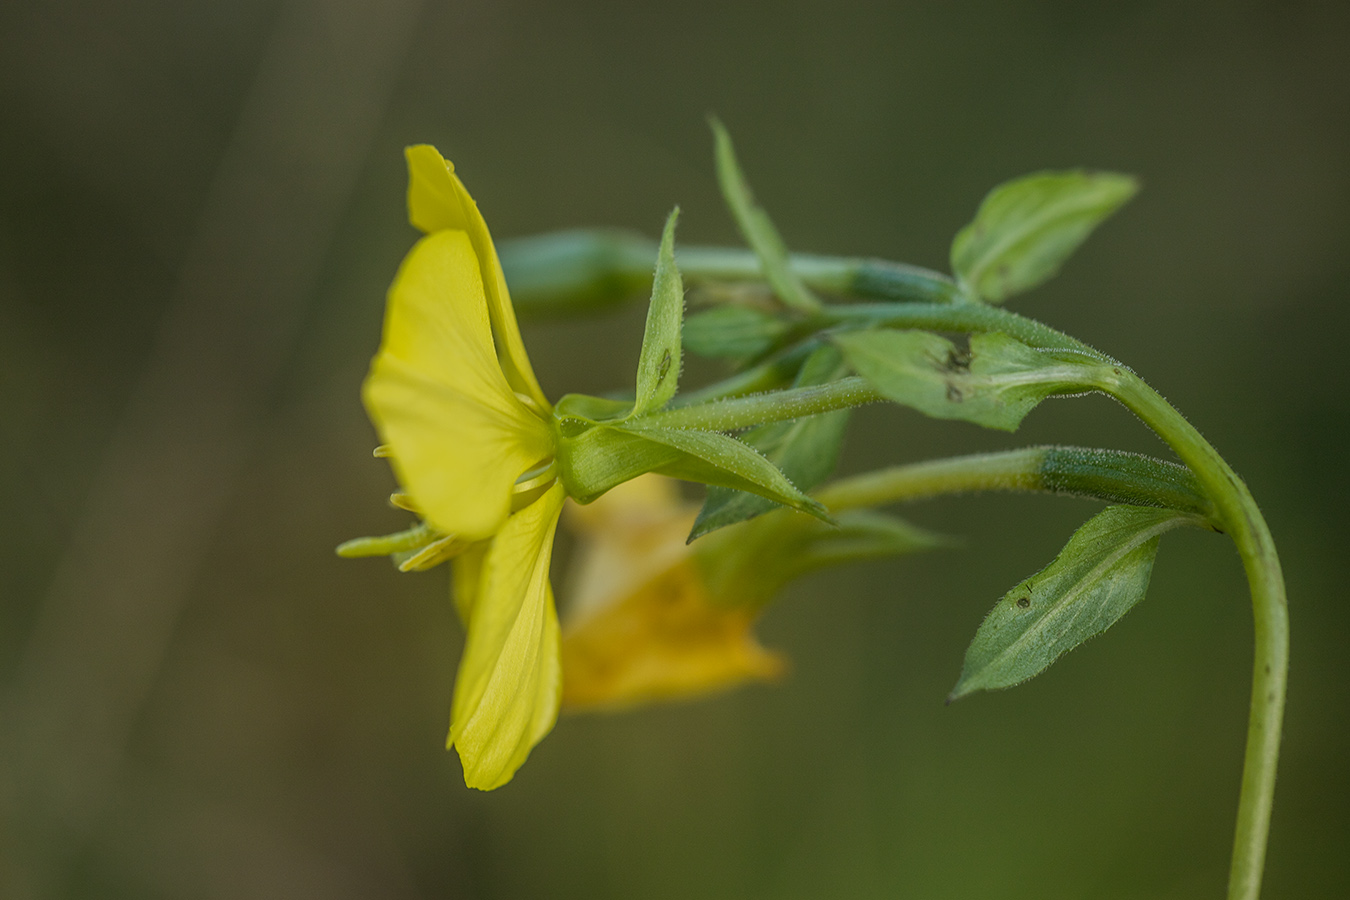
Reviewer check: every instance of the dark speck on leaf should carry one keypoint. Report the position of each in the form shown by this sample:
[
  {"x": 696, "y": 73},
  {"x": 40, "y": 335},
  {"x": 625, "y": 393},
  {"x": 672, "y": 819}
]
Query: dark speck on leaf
[
  {"x": 958, "y": 360},
  {"x": 1023, "y": 602},
  {"x": 954, "y": 393}
]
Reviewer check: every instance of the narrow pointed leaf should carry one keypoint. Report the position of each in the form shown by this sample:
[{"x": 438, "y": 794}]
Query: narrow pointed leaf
[
  {"x": 804, "y": 449},
  {"x": 749, "y": 470},
  {"x": 1026, "y": 228},
  {"x": 659, "y": 363},
  {"x": 1099, "y": 575},
  {"x": 757, "y": 227},
  {"x": 995, "y": 383}
]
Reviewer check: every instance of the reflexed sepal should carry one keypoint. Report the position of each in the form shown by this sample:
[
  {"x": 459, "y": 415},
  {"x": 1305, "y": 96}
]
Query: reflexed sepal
[
  {"x": 1026, "y": 228},
  {"x": 1099, "y": 575},
  {"x": 994, "y": 383}
]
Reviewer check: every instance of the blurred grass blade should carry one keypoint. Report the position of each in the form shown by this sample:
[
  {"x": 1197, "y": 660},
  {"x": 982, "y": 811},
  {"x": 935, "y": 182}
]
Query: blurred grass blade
[
  {"x": 1099, "y": 575},
  {"x": 757, "y": 227},
  {"x": 1026, "y": 228}
]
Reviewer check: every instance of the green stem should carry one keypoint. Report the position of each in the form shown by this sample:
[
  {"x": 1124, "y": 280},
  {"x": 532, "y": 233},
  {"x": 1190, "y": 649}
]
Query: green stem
[
  {"x": 1239, "y": 515},
  {"x": 760, "y": 409},
  {"x": 1109, "y": 475}
]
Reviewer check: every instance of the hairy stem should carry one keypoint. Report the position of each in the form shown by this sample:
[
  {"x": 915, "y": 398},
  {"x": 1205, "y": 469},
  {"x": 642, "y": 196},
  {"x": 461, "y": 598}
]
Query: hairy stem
[
  {"x": 775, "y": 406},
  {"x": 1239, "y": 515},
  {"x": 1112, "y": 476}
]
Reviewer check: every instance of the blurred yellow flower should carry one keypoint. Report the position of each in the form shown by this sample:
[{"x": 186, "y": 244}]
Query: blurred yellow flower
[
  {"x": 467, "y": 430},
  {"x": 641, "y": 623}
]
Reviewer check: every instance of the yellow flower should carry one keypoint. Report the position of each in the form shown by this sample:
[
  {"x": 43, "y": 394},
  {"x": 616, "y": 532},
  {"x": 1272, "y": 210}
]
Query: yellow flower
[
  {"x": 467, "y": 430},
  {"x": 642, "y": 623}
]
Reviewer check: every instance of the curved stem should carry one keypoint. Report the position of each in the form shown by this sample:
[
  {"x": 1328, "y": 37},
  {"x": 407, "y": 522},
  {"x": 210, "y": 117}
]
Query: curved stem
[{"x": 1240, "y": 517}]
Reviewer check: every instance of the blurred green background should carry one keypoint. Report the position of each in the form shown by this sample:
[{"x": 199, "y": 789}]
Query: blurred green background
[{"x": 201, "y": 205}]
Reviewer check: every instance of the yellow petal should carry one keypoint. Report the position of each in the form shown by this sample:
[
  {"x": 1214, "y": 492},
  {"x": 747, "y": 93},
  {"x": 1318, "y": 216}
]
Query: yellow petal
[
  {"x": 458, "y": 435},
  {"x": 438, "y": 200},
  {"x": 640, "y": 624},
  {"x": 510, "y": 679},
  {"x": 468, "y": 574},
  {"x": 663, "y": 641},
  {"x": 630, "y": 534}
]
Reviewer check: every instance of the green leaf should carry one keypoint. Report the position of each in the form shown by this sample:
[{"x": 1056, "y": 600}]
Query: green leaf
[
  {"x": 734, "y": 465},
  {"x": 1026, "y": 228},
  {"x": 995, "y": 383},
  {"x": 748, "y": 564},
  {"x": 757, "y": 227},
  {"x": 1099, "y": 575},
  {"x": 805, "y": 449},
  {"x": 734, "y": 332},
  {"x": 659, "y": 363}
]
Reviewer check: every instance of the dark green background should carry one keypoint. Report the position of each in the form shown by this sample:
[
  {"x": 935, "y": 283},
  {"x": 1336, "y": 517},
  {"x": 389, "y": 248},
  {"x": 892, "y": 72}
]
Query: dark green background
[{"x": 284, "y": 739}]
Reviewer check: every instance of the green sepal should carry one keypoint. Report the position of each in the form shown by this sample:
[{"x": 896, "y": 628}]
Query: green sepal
[
  {"x": 994, "y": 383},
  {"x": 658, "y": 372},
  {"x": 1099, "y": 575},
  {"x": 1026, "y": 228},
  {"x": 582, "y": 410},
  {"x": 732, "y": 332},
  {"x": 594, "y": 455},
  {"x": 757, "y": 228},
  {"x": 597, "y": 457},
  {"x": 805, "y": 449}
]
